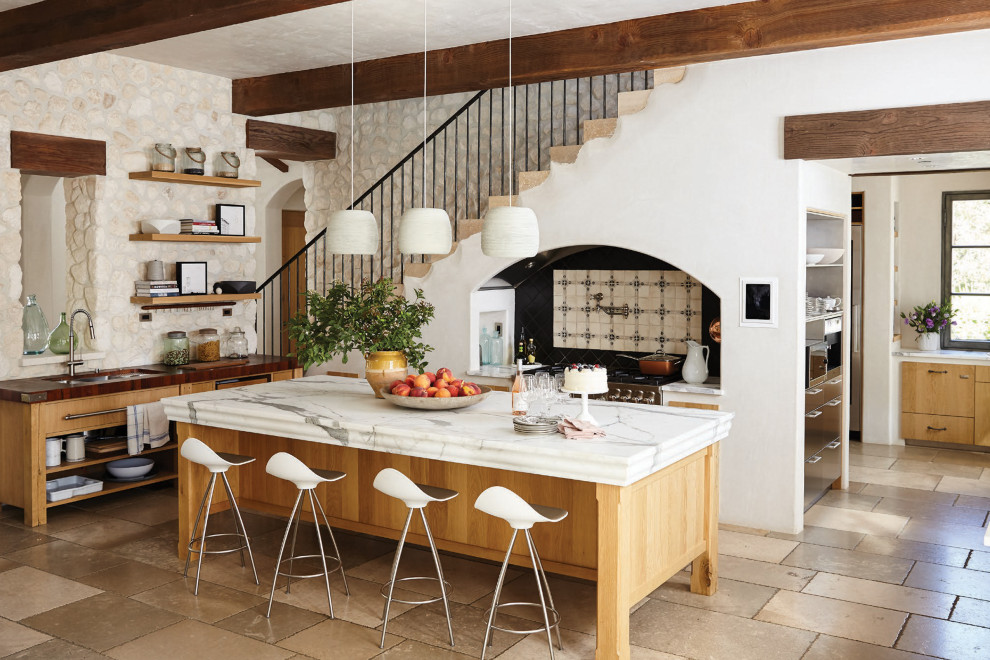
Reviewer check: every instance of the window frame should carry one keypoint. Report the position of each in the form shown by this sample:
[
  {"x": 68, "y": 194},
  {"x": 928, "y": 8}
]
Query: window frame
[{"x": 948, "y": 198}]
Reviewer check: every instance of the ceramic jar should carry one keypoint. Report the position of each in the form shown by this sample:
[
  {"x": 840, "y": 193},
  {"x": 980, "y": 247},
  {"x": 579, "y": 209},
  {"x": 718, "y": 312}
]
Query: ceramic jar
[{"x": 382, "y": 367}]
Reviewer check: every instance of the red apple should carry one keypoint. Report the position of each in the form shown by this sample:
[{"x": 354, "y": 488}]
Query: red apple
[{"x": 418, "y": 391}]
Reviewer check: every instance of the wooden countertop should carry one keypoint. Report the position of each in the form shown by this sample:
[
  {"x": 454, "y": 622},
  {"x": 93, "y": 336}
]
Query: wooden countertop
[{"x": 42, "y": 389}]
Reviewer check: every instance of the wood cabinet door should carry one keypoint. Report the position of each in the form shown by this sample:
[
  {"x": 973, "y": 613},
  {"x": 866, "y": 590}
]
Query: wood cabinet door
[
  {"x": 936, "y": 428},
  {"x": 937, "y": 389},
  {"x": 982, "y": 419}
]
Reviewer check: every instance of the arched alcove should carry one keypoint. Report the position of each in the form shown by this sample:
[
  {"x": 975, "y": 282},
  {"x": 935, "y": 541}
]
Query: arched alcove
[{"x": 43, "y": 253}]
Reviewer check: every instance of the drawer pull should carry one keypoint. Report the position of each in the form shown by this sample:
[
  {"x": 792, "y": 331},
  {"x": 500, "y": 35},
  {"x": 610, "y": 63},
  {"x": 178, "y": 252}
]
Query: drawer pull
[
  {"x": 964, "y": 376},
  {"x": 94, "y": 414},
  {"x": 835, "y": 381},
  {"x": 814, "y": 459},
  {"x": 813, "y": 390},
  {"x": 932, "y": 371},
  {"x": 932, "y": 428},
  {"x": 813, "y": 414},
  {"x": 835, "y": 444},
  {"x": 834, "y": 402}
]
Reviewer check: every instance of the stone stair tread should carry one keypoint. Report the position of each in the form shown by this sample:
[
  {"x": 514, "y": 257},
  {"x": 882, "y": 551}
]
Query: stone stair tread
[
  {"x": 564, "y": 154},
  {"x": 416, "y": 270},
  {"x": 502, "y": 200},
  {"x": 631, "y": 102},
  {"x": 528, "y": 180},
  {"x": 599, "y": 128},
  {"x": 672, "y": 74},
  {"x": 468, "y": 227}
]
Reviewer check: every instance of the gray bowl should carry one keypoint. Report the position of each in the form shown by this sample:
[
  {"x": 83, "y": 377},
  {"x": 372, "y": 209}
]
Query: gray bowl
[
  {"x": 128, "y": 468},
  {"x": 433, "y": 403}
]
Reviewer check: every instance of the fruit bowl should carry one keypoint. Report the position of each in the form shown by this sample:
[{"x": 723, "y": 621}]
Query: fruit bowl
[
  {"x": 433, "y": 403},
  {"x": 128, "y": 468}
]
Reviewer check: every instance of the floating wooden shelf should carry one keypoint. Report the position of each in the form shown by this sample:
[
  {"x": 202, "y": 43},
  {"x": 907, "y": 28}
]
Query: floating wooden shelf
[
  {"x": 194, "y": 179},
  {"x": 205, "y": 298},
  {"x": 193, "y": 238}
]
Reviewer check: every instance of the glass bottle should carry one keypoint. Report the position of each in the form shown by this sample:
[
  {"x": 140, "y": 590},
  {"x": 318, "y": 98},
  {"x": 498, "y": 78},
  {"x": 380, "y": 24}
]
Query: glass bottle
[
  {"x": 208, "y": 345},
  {"x": 58, "y": 340},
  {"x": 237, "y": 345},
  {"x": 519, "y": 405},
  {"x": 531, "y": 352},
  {"x": 176, "y": 351},
  {"x": 486, "y": 347},
  {"x": 35, "y": 327},
  {"x": 498, "y": 348}
]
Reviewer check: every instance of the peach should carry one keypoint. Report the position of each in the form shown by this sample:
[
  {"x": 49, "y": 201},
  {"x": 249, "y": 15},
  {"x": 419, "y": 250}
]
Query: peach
[
  {"x": 467, "y": 390},
  {"x": 401, "y": 389},
  {"x": 442, "y": 393},
  {"x": 411, "y": 380},
  {"x": 418, "y": 391},
  {"x": 453, "y": 390},
  {"x": 422, "y": 380},
  {"x": 431, "y": 391},
  {"x": 457, "y": 382},
  {"x": 394, "y": 383},
  {"x": 432, "y": 376},
  {"x": 445, "y": 374}
]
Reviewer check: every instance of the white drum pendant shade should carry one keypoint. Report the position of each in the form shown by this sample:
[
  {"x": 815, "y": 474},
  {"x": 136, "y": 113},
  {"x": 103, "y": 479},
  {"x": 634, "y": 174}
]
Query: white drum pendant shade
[
  {"x": 425, "y": 231},
  {"x": 510, "y": 231},
  {"x": 352, "y": 232}
]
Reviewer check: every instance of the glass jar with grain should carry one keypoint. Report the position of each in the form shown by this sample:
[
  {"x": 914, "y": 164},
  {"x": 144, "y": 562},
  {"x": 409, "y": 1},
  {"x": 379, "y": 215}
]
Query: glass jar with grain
[
  {"x": 176, "y": 351},
  {"x": 208, "y": 345}
]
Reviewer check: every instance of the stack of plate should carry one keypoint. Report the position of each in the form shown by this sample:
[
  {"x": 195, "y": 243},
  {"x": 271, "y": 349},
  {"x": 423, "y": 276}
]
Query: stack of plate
[{"x": 535, "y": 425}]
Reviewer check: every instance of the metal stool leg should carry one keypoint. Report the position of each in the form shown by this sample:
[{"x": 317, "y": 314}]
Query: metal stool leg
[
  {"x": 560, "y": 644},
  {"x": 395, "y": 568},
  {"x": 281, "y": 550},
  {"x": 319, "y": 544},
  {"x": 334, "y": 541},
  {"x": 436, "y": 561},
  {"x": 539, "y": 587},
  {"x": 192, "y": 537},
  {"x": 292, "y": 549},
  {"x": 239, "y": 522},
  {"x": 202, "y": 542},
  {"x": 498, "y": 592}
]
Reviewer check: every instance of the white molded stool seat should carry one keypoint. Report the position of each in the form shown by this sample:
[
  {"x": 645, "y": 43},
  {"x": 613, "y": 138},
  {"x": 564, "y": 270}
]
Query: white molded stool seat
[
  {"x": 288, "y": 467},
  {"x": 416, "y": 496},
  {"x": 196, "y": 451},
  {"x": 521, "y": 515}
]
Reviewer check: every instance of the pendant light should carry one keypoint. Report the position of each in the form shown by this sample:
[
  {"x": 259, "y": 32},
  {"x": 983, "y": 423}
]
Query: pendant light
[
  {"x": 510, "y": 231},
  {"x": 424, "y": 230},
  {"x": 352, "y": 231}
]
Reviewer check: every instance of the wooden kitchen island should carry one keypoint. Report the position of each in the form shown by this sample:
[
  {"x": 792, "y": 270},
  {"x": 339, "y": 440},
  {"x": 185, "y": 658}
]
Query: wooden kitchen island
[{"x": 643, "y": 501}]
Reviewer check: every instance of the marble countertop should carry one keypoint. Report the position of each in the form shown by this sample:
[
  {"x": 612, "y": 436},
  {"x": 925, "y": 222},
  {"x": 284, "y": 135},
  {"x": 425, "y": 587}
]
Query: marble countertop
[
  {"x": 711, "y": 386},
  {"x": 640, "y": 440},
  {"x": 944, "y": 355}
]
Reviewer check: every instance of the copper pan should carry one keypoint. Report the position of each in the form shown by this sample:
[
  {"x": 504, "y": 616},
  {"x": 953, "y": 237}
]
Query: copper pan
[{"x": 658, "y": 364}]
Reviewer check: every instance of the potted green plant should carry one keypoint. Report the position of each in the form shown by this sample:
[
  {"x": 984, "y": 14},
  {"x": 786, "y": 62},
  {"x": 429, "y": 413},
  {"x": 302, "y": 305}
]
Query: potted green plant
[
  {"x": 373, "y": 319},
  {"x": 928, "y": 321}
]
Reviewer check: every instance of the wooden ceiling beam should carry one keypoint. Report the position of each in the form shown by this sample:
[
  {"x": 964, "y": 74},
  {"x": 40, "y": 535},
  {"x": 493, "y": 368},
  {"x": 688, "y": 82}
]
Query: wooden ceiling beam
[
  {"x": 55, "y": 155},
  {"x": 54, "y": 30},
  {"x": 703, "y": 35},
  {"x": 284, "y": 142}
]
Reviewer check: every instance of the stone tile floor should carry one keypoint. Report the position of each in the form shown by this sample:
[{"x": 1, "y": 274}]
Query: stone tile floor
[{"x": 892, "y": 569}]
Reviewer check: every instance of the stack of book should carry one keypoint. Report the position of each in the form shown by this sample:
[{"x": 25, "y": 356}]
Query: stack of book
[
  {"x": 156, "y": 288},
  {"x": 190, "y": 226}
]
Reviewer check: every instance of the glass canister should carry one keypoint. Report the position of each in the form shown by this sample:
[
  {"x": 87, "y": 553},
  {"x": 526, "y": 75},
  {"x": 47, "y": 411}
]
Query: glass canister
[
  {"x": 35, "y": 327},
  {"x": 163, "y": 157},
  {"x": 226, "y": 165},
  {"x": 193, "y": 160},
  {"x": 176, "y": 351},
  {"x": 208, "y": 345},
  {"x": 237, "y": 345}
]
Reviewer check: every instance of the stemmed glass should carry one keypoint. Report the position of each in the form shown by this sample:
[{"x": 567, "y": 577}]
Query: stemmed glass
[{"x": 530, "y": 393}]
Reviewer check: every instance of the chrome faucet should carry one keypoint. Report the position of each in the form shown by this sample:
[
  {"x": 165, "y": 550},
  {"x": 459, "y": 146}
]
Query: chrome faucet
[{"x": 73, "y": 362}]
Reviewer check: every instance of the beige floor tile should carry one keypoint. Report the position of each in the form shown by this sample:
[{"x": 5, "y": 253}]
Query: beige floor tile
[
  {"x": 642, "y": 653},
  {"x": 944, "y": 639},
  {"x": 102, "y": 621},
  {"x": 760, "y": 548},
  {"x": 26, "y": 591},
  {"x": 285, "y": 621},
  {"x": 106, "y": 534},
  {"x": 743, "y": 529},
  {"x": 849, "y": 562},
  {"x": 6, "y": 564},
  {"x": 889, "y": 478},
  {"x": 866, "y": 460},
  {"x": 66, "y": 559},
  {"x": 962, "y": 486},
  {"x": 158, "y": 551},
  {"x": 335, "y": 639},
  {"x": 576, "y": 601},
  {"x": 764, "y": 573},
  {"x": 356, "y": 549},
  {"x": 911, "y": 494},
  {"x": 864, "y": 623},
  {"x": 836, "y": 538},
  {"x": 687, "y": 631},
  {"x": 413, "y": 650},
  {"x": 836, "y": 648},
  {"x": 151, "y": 509},
  {"x": 212, "y": 604},
  {"x": 943, "y": 469},
  {"x": 973, "y": 502},
  {"x": 56, "y": 648},
  {"x": 738, "y": 598},
  {"x": 930, "y": 552},
  {"x": 59, "y": 519},
  {"x": 896, "y": 451},
  {"x": 194, "y": 639},
  {"x": 932, "y": 531},
  {"x": 226, "y": 570},
  {"x": 364, "y": 606},
  {"x": 881, "y": 594},
  {"x": 129, "y": 577},
  {"x": 979, "y": 561},
  {"x": 843, "y": 499},
  {"x": 950, "y": 514},
  {"x": 428, "y": 624},
  {"x": 865, "y": 522},
  {"x": 957, "y": 457},
  {"x": 972, "y": 611},
  {"x": 13, "y": 538},
  {"x": 14, "y": 638},
  {"x": 950, "y": 580}
]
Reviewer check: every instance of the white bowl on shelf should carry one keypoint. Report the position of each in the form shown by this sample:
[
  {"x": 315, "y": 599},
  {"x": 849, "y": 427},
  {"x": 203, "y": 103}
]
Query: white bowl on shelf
[
  {"x": 128, "y": 468},
  {"x": 813, "y": 258},
  {"x": 831, "y": 255},
  {"x": 161, "y": 226}
]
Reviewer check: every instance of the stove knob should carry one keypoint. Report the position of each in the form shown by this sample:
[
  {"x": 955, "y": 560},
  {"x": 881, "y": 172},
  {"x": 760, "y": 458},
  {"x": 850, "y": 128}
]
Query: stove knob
[
  {"x": 627, "y": 396},
  {"x": 638, "y": 398},
  {"x": 652, "y": 398}
]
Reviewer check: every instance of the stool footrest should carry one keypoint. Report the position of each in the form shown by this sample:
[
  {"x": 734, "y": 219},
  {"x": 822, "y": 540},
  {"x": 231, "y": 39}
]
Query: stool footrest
[
  {"x": 333, "y": 567},
  {"x": 217, "y": 552},
  {"x": 552, "y": 615},
  {"x": 384, "y": 591}
]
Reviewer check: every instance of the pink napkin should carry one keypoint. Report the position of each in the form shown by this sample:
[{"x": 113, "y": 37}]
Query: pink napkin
[{"x": 575, "y": 429}]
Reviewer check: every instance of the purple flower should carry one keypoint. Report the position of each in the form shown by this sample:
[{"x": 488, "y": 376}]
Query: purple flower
[
  {"x": 907, "y": 322},
  {"x": 929, "y": 323},
  {"x": 942, "y": 325},
  {"x": 934, "y": 310},
  {"x": 953, "y": 323}
]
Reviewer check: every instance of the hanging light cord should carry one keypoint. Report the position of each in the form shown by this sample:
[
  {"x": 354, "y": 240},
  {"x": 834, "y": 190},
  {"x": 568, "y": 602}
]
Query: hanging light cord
[
  {"x": 353, "y": 128},
  {"x": 512, "y": 98},
  {"x": 425, "y": 2}
]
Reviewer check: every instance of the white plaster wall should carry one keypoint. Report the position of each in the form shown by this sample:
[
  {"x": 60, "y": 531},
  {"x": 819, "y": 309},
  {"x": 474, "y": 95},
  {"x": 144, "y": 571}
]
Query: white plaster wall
[
  {"x": 43, "y": 253},
  {"x": 278, "y": 190}
]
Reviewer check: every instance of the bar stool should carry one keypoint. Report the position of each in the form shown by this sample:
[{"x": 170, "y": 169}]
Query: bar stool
[
  {"x": 521, "y": 515},
  {"x": 196, "y": 451},
  {"x": 288, "y": 467},
  {"x": 416, "y": 496}
]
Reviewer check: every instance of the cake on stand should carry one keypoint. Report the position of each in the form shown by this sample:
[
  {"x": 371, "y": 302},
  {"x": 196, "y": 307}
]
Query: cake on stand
[{"x": 585, "y": 379}]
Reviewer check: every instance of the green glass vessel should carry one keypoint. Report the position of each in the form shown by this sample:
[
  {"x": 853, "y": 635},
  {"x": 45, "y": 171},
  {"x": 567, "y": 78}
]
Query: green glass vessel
[{"x": 58, "y": 340}]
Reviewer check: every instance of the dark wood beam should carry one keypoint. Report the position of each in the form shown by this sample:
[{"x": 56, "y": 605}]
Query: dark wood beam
[
  {"x": 703, "y": 35},
  {"x": 53, "y": 155},
  {"x": 928, "y": 129},
  {"x": 279, "y": 165},
  {"x": 54, "y": 30},
  {"x": 286, "y": 142}
]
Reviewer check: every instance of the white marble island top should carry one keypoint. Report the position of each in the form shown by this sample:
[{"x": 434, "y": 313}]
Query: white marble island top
[{"x": 640, "y": 439}]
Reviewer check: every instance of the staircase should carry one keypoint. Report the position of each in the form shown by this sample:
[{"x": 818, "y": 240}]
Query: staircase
[{"x": 465, "y": 162}]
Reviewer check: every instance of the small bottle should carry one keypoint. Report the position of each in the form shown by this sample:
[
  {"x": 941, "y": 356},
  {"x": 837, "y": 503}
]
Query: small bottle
[
  {"x": 486, "y": 347},
  {"x": 531, "y": 352},
  {"x": 58, "y": 340},
  {"x": 35, "y": 328},
  {"x": 521, "y": 352},
  {"x": 519, "y": 406},
  {"x": 498, "y": 348}
]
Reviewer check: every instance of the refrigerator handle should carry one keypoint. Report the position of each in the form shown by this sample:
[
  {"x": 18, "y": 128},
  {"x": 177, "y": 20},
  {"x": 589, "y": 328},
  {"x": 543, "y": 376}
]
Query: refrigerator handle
[{"x": 855, "y": 328}]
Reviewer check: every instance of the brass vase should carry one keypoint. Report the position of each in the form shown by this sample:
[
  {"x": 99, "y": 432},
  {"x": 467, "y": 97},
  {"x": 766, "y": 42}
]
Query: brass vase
[{"x": 382, "y": 367}]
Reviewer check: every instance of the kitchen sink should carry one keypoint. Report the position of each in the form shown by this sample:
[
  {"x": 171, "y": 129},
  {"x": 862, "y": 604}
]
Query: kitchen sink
[{"x": 103, "y": 377}]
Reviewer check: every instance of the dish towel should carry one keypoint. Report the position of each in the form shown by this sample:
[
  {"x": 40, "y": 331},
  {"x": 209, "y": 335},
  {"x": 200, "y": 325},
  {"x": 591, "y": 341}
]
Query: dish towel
[
  {"x": 146, "y": 425},
  {"x": 575, "y": 429}
]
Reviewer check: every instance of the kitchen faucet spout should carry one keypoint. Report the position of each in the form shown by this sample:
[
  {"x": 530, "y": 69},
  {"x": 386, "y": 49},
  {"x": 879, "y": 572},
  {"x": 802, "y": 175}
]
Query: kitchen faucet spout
[{"x": 73, "y": 362}]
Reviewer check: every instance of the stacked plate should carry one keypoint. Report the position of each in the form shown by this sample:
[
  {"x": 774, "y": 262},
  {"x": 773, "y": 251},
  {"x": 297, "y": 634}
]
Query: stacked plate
[{"x": 535, "y": 425}]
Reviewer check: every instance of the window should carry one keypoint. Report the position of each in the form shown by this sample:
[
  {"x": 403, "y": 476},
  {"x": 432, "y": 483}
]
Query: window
[{"x": 966, "y": 267}]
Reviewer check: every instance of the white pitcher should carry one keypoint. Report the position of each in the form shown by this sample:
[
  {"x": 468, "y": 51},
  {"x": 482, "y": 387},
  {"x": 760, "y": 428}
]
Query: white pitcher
[{"x": 695, "y": 370}]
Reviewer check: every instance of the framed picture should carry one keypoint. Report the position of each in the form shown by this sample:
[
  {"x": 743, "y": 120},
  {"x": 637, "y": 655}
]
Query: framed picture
[
  {"x": 758, "y": 302},
  {"x": 230, "y": 219},
  {"x": 191, "y": 276}
]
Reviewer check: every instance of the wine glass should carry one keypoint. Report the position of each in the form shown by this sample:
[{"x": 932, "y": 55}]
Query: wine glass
[{"x": 530, "y": 393}]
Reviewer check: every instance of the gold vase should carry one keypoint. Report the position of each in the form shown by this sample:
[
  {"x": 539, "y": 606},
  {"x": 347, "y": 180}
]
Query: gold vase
[{"x": 382, "y": 367}]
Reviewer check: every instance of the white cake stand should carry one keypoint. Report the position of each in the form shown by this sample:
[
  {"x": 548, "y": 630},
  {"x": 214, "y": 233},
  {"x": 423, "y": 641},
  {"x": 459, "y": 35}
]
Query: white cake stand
[{"x": 585, "y": 416}]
